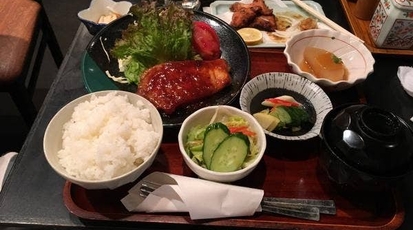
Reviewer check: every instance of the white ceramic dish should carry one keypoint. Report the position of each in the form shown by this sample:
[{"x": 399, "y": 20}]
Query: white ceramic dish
[
  {"x": 221, "y": 10},
  {"x": 98, "y": 8},
  {"x": 52, "y": 142},
  {"x": 354, "y": 54},
  {"x": 203, "y": 117},
  {"x": 405, "y": 75},
  {"x": 274, "y": 84}
]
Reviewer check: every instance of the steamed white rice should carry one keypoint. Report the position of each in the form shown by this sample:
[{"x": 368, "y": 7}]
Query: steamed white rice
[{"x": 105, "y": 136}]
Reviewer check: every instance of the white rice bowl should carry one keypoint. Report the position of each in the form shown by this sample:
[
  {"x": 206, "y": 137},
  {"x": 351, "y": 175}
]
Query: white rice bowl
[{"x": 105, "y": 136}]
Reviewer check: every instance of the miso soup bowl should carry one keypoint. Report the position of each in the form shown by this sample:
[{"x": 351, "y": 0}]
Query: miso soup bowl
[
  {"x": 356, "y": 57},
  {"x": 365, "y": 147}
]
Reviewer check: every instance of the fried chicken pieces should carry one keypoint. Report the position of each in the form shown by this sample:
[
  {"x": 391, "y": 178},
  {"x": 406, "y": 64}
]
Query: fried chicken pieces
[{"x": 256, "y": 15}]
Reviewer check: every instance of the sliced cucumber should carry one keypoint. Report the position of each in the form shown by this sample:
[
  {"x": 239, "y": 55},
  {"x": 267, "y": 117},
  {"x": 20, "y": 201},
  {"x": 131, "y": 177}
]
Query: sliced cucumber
[
  {"x": 298, "y": 116},
  {"x": 281, "y": 114},
  {"x": 295, "y": 117},
  {"x": 215, "y": 133},
  {"x": 231, "y": 153}
]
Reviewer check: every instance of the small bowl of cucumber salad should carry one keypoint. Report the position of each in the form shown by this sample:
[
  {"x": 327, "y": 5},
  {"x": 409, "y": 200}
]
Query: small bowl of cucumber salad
[
  {"x": 221, "y": 143},
  {"x": 286, "y": 105}
]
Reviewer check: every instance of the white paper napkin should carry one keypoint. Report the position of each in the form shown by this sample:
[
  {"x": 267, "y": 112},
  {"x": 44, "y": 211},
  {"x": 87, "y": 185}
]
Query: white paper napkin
[
  {"x": 405, "y": 74},
  {"x": 4, "y": 163},
  {"x": 201, "y": 198}
]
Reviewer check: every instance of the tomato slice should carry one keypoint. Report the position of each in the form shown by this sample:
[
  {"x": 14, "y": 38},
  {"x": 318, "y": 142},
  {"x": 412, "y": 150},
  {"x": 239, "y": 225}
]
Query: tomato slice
[{"x": 205, "y": 41}]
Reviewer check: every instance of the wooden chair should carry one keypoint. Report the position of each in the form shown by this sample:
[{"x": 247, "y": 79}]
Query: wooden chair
[{"x": 25, "y": 33}]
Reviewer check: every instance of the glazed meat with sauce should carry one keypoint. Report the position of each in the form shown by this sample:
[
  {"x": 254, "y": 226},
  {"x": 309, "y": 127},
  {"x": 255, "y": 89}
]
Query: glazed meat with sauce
[{"x": 173, "y": 84}]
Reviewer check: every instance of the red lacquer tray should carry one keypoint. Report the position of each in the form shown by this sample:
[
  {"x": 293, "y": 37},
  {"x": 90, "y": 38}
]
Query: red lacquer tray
[{"x": 287, "y": 170}]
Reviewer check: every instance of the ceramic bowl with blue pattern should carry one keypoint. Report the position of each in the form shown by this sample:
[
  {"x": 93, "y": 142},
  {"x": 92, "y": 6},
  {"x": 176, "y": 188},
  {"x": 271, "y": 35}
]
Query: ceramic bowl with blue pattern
[{"x": 274, "y": 84}]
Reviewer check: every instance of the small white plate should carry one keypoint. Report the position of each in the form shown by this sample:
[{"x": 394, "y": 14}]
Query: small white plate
[
  {"x": 274, "y": 84},
  {"x": 221, "y": 10}
]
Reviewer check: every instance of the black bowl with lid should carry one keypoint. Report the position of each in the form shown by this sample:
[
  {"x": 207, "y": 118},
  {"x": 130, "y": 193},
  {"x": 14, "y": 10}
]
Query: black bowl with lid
[{"x": 365, "y": 147}]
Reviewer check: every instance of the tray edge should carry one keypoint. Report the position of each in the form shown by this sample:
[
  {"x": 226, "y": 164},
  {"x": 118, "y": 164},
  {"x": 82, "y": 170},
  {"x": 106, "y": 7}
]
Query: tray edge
[{"x": 356, "y": 25}]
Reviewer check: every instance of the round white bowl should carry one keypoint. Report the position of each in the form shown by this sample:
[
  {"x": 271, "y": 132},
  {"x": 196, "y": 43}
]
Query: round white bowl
[
  {"x": 53, "y": 137},
  {"x": 203, "y": 117},
  {"x": 354, "y": 54},
  {"x": 303, "y": 90},
  {"x": 90, "y": 16}
]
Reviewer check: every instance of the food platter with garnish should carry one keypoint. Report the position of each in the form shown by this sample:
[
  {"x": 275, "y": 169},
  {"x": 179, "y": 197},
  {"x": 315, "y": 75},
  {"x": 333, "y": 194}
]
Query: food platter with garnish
[
  {"x": 280, "y": 21},
  {"x": 102, "y": 70}
]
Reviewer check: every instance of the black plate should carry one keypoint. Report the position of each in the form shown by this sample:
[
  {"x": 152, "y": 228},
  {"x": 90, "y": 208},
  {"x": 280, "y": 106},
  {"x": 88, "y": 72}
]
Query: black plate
[{"x": 96, "y": 61}]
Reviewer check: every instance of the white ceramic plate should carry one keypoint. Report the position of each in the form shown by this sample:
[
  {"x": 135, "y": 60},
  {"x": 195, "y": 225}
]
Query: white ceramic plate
[
  {"x": 221, "y": 10},
  {"x": 273, "y": 84}
]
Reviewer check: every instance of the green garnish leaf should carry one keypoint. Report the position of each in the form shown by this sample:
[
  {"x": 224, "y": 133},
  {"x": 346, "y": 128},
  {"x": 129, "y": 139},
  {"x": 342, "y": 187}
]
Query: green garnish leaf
[
  {"x": 159, "y": 34},
  {"x": 336, "y": 59}
]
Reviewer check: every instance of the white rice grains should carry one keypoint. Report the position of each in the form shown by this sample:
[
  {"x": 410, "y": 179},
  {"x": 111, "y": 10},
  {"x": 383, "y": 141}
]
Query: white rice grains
[{"x": 107, "y": 137}]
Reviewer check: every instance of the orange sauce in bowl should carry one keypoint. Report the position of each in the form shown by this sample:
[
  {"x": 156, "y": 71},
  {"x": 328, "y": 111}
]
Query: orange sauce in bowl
[{"x": 323, "y": 64}]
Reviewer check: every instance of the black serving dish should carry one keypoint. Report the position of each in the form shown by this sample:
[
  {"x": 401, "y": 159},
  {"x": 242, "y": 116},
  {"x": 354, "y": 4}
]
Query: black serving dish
[{"x": 96, "y": 61}]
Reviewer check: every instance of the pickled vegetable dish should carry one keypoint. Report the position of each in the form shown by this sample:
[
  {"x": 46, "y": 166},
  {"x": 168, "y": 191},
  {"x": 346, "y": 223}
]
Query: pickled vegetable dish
[{"x": 284, "y": 112}]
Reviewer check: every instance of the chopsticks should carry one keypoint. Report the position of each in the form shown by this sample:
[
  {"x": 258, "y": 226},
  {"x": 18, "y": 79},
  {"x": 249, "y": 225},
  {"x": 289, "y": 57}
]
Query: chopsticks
[{"x": 324, "y": 19}]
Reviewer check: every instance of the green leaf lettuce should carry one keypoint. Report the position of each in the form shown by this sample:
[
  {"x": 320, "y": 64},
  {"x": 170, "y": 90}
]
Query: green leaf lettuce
[{"x": 159, "y": 34}]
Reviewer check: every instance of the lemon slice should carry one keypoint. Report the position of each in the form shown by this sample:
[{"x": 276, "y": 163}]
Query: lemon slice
[{"x": 251, "y": 36}]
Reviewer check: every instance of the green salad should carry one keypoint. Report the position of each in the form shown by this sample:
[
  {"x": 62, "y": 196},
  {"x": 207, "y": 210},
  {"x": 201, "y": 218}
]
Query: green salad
[
  {"x": 159, "y": 34},
  {"x": 223, "y": 146}
]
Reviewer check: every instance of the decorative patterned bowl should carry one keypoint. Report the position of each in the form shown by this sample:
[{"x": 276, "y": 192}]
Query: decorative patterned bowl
[
  {"x": 106, "y": 8},
  {"x": 356, "y": 57},
  {"x": 310, "y": 95}
]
